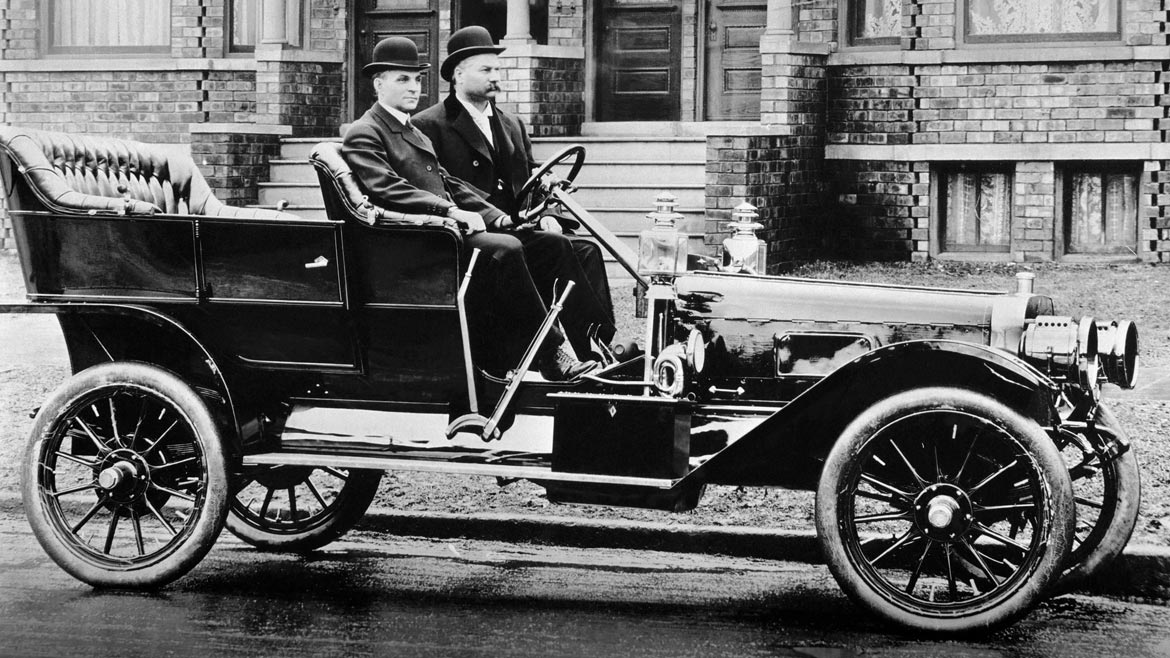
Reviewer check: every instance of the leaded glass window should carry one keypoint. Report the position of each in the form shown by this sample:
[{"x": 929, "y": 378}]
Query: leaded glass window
[
  {"x": 1101, "y": 212},
  {"x": 976, "y": 210},
  {"x": 875, "y": 22},
  {"x": 109, "y": 26},
  {"x": 1019, "y": 20}
]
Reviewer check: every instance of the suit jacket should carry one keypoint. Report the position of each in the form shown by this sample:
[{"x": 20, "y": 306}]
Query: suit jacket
[
  {"x": 462, "y": 147},
  {"x": 398, "y": 168}
]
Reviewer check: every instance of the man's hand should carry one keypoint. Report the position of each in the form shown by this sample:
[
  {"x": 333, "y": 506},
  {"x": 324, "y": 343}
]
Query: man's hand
[{"x": 470, "y": 221}]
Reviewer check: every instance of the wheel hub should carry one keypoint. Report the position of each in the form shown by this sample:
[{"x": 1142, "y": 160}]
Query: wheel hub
[
  {"x": 943, "y": 512},
  {"x": 123, "y": 475}
]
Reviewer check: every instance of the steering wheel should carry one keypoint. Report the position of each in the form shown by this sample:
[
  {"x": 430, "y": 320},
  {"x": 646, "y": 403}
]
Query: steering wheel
[{"x": 534, "y": 201}]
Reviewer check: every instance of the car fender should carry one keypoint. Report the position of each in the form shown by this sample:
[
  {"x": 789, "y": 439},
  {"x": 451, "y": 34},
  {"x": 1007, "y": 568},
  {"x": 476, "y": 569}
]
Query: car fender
[
  {"x": 789, "y": 447},
  {"x": 153, "y": 330}
]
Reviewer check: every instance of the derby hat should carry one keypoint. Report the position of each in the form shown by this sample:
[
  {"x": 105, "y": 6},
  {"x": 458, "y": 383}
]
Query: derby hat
[
  {"x": 394, "y": 53},
  {"x": 471, "y": 40}
]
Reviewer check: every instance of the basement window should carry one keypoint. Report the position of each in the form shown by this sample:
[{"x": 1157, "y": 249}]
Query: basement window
[
  {"x": 1100, "y": 210},
  {"x": 975, "y": 205}
]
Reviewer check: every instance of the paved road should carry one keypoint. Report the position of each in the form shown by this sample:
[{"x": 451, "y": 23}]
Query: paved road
[{"x": 376, "y": 595}]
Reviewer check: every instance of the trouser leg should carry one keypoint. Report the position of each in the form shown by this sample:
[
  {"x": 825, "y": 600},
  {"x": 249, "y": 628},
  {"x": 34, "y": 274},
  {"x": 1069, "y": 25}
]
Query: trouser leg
[
  {"x": 589, "y": 257},
  {"x": 505, "y": 307},
  {"x": 551, "y": 259}
]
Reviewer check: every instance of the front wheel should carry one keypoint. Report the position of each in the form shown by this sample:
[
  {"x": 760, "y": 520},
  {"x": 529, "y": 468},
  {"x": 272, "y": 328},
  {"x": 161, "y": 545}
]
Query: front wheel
[
  {"x": 124, "y": 481},
  {"x": 943, "y": 510},
  {"x": 1108, "y": 497},
  {"x": 299, "y": 508}
]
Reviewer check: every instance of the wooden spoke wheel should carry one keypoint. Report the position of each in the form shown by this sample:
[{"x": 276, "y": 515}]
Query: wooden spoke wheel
[
  {"x": 125, "y": 483},
  {"x": 943, "y": 510},
  {"x": 299, "y": 508},
  {"x": 1108, "y": 495}
]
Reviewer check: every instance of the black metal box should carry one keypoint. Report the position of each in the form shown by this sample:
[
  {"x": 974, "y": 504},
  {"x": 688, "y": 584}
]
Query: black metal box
[{"x": 625, "y": 435}]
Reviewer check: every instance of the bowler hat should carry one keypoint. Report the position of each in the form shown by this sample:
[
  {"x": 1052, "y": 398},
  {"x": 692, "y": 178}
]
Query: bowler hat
[
  {"x": 394, "y": 53},
  {"x": 471, "y": 40}
]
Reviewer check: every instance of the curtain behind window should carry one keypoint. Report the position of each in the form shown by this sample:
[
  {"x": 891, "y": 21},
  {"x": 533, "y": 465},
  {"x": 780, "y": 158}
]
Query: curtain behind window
[{"x": 128, "y": 26}]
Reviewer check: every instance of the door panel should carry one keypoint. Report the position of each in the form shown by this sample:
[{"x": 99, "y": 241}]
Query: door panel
[
  {"x": 639, "y": 68},
  {"x": 416, "y": 20},
  {"x": 733, "y": 59}
]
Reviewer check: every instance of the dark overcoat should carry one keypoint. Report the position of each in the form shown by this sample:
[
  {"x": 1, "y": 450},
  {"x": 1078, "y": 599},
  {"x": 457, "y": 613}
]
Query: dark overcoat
[
  {"x": 499, "y": 173},
  {"x": 400, "y": 170}
]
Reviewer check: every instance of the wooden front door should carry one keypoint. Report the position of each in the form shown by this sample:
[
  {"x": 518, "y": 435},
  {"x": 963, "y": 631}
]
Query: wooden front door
[
  {"x": 639, "y": 62},
  {"x": 732, "y": 37},
  {"x": 417, "y": 20}
]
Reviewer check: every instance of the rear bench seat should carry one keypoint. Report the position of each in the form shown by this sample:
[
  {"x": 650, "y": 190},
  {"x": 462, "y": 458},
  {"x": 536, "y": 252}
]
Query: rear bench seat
[{"x": 79, "y": 173}]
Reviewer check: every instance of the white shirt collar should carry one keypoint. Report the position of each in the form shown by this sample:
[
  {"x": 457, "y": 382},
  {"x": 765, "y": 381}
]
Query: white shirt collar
[
  {"x": 402, "y": 117},
  {"x": 482, "y": 119}
]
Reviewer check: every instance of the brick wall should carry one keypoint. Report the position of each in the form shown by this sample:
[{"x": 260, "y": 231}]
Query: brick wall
[
  {"x": 21, "y": 30},
  {"x": 234, "y": 162},
  {"x": 1034, "y": 211},
  {"x": 816, "y": 21},
  {"x": 566, "y": 23},
  {"x": 780, "y": 175},
  {"x": 997, "y": 103},
  {"x": 884, "y": 209},
  {"x": 1154, "y": 212},
  {"x": 307, "y": 96},
  {"x": 546, "y": 92},
  {"x": 151, "y": 106}
]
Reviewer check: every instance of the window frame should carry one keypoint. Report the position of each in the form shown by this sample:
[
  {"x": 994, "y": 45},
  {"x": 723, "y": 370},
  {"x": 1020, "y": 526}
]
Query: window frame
[
  {"x": 847, "y": 31},
  {"x": 1063, "y": 224},
  {"x": 49, "y": 50},
  {"x": 301, "y": 34},
  {"x": 939, "y": 173},
  {"x": 1042, "y": 39}
]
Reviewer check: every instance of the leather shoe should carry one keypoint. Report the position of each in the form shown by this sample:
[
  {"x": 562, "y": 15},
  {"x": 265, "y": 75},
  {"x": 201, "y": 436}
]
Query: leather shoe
[{"x": 563, "y": 366}]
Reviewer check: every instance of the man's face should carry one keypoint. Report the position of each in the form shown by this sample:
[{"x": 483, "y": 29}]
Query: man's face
[
  {"x": 399, "y": 89},
  {"x": 478, "y": 77}
]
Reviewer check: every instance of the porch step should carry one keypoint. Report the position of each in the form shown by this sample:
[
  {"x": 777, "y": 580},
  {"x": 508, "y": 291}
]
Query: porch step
[
  {"x": 616, "y": 148},
  {"x": 299, "y": 148}
]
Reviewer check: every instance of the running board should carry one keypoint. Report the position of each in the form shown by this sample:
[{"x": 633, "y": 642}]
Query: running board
[{"x": 459, "y": 468}]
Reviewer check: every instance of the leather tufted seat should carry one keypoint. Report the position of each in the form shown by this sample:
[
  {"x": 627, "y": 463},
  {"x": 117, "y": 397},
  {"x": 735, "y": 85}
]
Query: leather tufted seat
[
  {"x": 80, "y": 173},
  {"x": 345, "y": 199}
]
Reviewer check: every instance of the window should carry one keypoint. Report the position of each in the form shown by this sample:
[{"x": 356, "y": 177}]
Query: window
[
  {"x": 975, "y": 209},
  {"x": 248, "y": 24},
  {"x": 1042, "y": 20},
  {"x": 124, "y": 26},
  {"x": 875, "y": 22},
  {"x": 1100, "y": 211}
]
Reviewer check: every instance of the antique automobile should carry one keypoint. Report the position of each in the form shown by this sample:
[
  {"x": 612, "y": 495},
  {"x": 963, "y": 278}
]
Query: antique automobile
[{"x": 254, "y": 369}]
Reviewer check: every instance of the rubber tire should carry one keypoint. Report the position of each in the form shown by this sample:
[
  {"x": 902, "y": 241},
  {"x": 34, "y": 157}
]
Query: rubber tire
[
  {"x": 1060, "y": 509},
  {"x": 1084, "y": 563},
  {"x": 352, "y": 502},
  {"x": 206, "y": 530}
]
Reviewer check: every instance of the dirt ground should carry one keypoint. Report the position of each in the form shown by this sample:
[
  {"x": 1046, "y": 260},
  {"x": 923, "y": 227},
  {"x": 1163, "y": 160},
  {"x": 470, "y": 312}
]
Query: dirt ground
[{"x": 1137, "y": 292}]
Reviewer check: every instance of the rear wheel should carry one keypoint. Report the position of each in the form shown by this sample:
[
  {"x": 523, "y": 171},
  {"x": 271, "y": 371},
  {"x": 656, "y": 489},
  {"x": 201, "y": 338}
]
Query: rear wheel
[
  {"x": 124, "y": 482},
  {"x": 300, "y": 508},
  {"x": 943, "y": 510}
]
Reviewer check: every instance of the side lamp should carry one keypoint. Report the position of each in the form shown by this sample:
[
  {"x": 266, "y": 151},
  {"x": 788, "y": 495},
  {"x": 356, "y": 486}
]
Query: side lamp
[
  {"x": 662, "y": 249},
  {"x": 743, "y": 251}
]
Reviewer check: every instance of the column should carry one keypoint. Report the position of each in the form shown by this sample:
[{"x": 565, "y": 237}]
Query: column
[
  {"x": 518, "y": 30},
  {"x": 779, "y": 19}
]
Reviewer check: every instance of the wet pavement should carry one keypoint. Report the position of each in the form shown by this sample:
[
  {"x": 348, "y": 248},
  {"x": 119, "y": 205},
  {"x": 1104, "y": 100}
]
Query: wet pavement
[{"x": 373, "y": 595}]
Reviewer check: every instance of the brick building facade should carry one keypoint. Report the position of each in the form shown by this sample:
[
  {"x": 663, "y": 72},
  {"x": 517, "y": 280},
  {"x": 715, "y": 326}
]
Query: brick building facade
[{"x": 876, "y": 129}]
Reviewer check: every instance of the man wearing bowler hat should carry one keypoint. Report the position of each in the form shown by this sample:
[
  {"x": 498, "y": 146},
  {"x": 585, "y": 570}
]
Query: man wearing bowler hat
[
  {"x": 396, "y": 166},
  {"x": 489, "y": 149}
]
